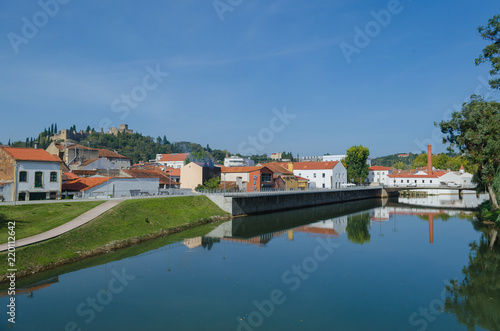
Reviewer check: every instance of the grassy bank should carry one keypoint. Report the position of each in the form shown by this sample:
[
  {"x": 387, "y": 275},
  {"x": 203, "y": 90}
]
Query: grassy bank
[
  {"x": 130, "y": 222},
  {"x": 37, "y": 218}
]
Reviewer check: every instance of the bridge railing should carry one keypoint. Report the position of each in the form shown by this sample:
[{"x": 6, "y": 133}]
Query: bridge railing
[{"x": 279, "y": 191}]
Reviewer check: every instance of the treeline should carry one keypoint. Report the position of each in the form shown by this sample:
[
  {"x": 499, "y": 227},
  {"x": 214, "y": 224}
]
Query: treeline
[{"x": 443, "y": 161}]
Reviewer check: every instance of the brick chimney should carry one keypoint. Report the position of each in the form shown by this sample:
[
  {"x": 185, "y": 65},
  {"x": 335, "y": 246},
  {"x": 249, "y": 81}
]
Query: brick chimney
[{"x": 429, "y": 159}]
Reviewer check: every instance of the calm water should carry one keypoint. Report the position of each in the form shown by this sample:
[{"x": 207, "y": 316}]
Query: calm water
[{"x": 354, "y": 266}]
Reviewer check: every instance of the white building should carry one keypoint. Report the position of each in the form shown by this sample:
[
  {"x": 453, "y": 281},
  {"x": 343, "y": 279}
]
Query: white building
[
  {"x": 102, "y": 187},
  {"x": 172, "y": 160},
  {"x": 330, "y": 158},
  {"x": 29, "y": 174},
  {"x": 321, "y": 174},
  {"x": 378, "y": 174},
  {"x": 235, "y": 161}
]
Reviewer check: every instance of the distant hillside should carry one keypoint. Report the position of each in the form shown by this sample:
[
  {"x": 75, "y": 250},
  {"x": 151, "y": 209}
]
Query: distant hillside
[
  {"x": 391, "y": 160},
  {"x": 134, "y": 145}
]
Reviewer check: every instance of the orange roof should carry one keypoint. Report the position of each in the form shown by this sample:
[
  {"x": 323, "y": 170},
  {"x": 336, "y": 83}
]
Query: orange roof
[
  {"x": 173, "y": 157},
  {"x": 175, "y": 172},
  {"x": 240, "y": 169},
  {"x": 314, "y": 165},
  {"x": 378, "y": 168},
  {"x": 301, "y": 178},
  {"x": 164, "y": 179},
  {"x": 30, "y": 154},
  {"x": 435, "y": 174},
  {"x": 69, "y": 176},
  {"x": 110, "y": 154},
  {"x": 84, "y": 184},
  {"x": 88, "y": 161},
  {"x": 281, "y": 168}
]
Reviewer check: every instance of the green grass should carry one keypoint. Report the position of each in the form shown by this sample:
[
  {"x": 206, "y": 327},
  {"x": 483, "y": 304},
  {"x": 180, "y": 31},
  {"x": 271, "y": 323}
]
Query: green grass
[
  {"x": 130, "y": 219},
  {"x": 37, "y": 218}
]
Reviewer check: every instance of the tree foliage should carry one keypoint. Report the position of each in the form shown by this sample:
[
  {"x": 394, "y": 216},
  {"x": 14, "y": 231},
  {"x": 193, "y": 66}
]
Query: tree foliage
[
  {"x": 355, "y": 163},
  {"x": 357, "y": 229},
  {"x": 491, "y": 53},
  {"x": 475, "y": 301},
  {"x": 210, "y": 184},
  {"x": 474, "y": 131}
]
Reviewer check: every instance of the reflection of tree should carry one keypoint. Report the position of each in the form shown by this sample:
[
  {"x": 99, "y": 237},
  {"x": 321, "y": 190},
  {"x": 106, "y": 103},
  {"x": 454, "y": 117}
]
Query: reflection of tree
[
  {"x": 476, "y": 300},
  {"x": 357, "y": 229}
]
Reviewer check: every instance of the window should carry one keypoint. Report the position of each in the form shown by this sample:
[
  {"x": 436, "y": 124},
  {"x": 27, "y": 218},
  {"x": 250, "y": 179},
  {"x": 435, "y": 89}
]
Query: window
[
  {"x": 53, "y": 177},
  {"x": 423, "y": 181},
  {"x": 323, "y": 175},
  {"x": 38, "y": 179},
  {"x": 314, "y": 175},
  {"x": 401, "y": 181},
  {"x": 323, "y": 185},
  {"x": 430, "y": 181},
  {"x": 266, "y": 177},
  {"x": 23, "y": 176}
]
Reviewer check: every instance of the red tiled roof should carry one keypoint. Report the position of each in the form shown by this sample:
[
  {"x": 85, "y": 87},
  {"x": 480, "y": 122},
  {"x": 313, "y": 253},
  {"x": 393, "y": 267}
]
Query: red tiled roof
[
  {"x": 435, "y": 174},
  {"x": 281, "y": 168},
  {"x": 69, "y": 176},
  {"x": 84, "y": 184},
  {"x": 175, "y": 172},
  {"x": 240, "y": 169},
  {"x": 379, "y": 168},
  {"x": 31, "y": 154},
  {"x": 110, "y": 154},
  {"x": 164, "y": 179},
  {"x": 301, "y": 178},
  {"x": 314, "y": 165},
  {"x": 173, "y": 157}
]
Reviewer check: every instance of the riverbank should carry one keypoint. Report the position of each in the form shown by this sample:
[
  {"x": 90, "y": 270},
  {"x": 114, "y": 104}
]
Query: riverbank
[
  {"x": 129, "y": 223},
  {"x": 37, "y": 218}
]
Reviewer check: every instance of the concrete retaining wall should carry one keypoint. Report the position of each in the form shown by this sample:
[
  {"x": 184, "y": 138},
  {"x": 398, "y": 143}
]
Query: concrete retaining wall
[{"x": 259, "y": 204}]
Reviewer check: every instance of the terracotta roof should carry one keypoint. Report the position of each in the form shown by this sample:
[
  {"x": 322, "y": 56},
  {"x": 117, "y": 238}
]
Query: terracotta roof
[
  {"x": 240, "y": 169},
  {"x": 173, "y": 157},
  {"x": 31, "y": 154},
  {"x": 379, "y": 168},
  {"x": 110, "y": 154},
  {"x": 301, "y": 178},
  {"x": 69, "y": 176},
  {"x": 281, "y": 168},
  {"x": 87, "y": 162},
  {"x": 164, "y": 179},
  {"x": 84, "y": 184},
  {"x": 314, "y": 165},
  {"x": 435, "y": 174}
]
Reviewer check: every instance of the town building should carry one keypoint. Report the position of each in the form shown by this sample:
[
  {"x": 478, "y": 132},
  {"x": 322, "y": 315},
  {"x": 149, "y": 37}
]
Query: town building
[
  {"x": 236, "y": 161},
  {"x": 332, "y": 158},
  {"x": 196, "y": 173},
  {"x": 321, "y": 174},
  {"x": 378, "y": 175},
  {"x": 29, "y": 174},
  {"x": 176, "y": 160},
  {"x": 249, "y": 179},
  {"x": 102, "y": 187},
  {"x": 276, "y": 156}
]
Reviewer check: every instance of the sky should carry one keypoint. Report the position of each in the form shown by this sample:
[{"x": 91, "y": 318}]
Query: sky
[{"x": 310, "y": 77}]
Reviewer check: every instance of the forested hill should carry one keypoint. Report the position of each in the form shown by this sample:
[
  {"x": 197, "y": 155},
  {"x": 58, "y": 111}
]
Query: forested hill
[
  {"x": 134, "y": 145},
  {"x": 395, "y": 160}
]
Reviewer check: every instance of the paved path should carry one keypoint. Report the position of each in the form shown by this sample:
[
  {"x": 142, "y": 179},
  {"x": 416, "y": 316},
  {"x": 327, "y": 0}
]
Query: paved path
[{"x": 73, "y": 224}]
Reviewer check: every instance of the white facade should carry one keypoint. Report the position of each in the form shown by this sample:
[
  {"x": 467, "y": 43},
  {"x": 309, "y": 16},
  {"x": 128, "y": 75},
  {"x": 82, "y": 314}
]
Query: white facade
[
  {"x": 123, "y": 187},
  {"x": 6, "y": 191},
  {"x": 47, "y": 176},
  {"x": 379, "y": 175},
  {"x": 103, "y": 163},
  {"x": 235, "y": 161},
  {"x": 333, "y": 157},
  {"x": 324, "y": 178}
]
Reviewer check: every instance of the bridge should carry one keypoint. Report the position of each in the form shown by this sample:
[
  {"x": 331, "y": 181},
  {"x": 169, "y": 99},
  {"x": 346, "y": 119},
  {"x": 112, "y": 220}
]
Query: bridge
[{"x": 391, "y": 190}]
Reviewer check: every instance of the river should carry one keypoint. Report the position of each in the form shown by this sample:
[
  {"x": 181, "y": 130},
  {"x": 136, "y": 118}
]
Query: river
[{"x": 366, "y": 265}]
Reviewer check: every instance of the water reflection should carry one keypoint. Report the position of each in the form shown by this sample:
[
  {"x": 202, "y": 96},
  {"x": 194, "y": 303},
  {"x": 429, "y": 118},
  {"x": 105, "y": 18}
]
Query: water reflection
[
  {"x": 468, "y": 200},
  {"x": 475, "y": 301},
  {"x": 194, "y": 276}
]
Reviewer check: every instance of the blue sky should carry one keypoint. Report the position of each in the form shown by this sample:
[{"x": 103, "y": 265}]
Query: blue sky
[{"x": 223, "y": 74}]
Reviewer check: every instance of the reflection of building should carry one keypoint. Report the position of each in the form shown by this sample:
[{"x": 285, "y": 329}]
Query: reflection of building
[
  {"x": 32, "y": 288},
  {"x": 379, "y": 215}
]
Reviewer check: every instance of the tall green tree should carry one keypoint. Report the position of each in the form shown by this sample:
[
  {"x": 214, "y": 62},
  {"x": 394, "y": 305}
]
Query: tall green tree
[
  {"x": 491, "y": 53},
  {"x": 355, "y": 163},
  {"x": 474, "y": 131}
]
